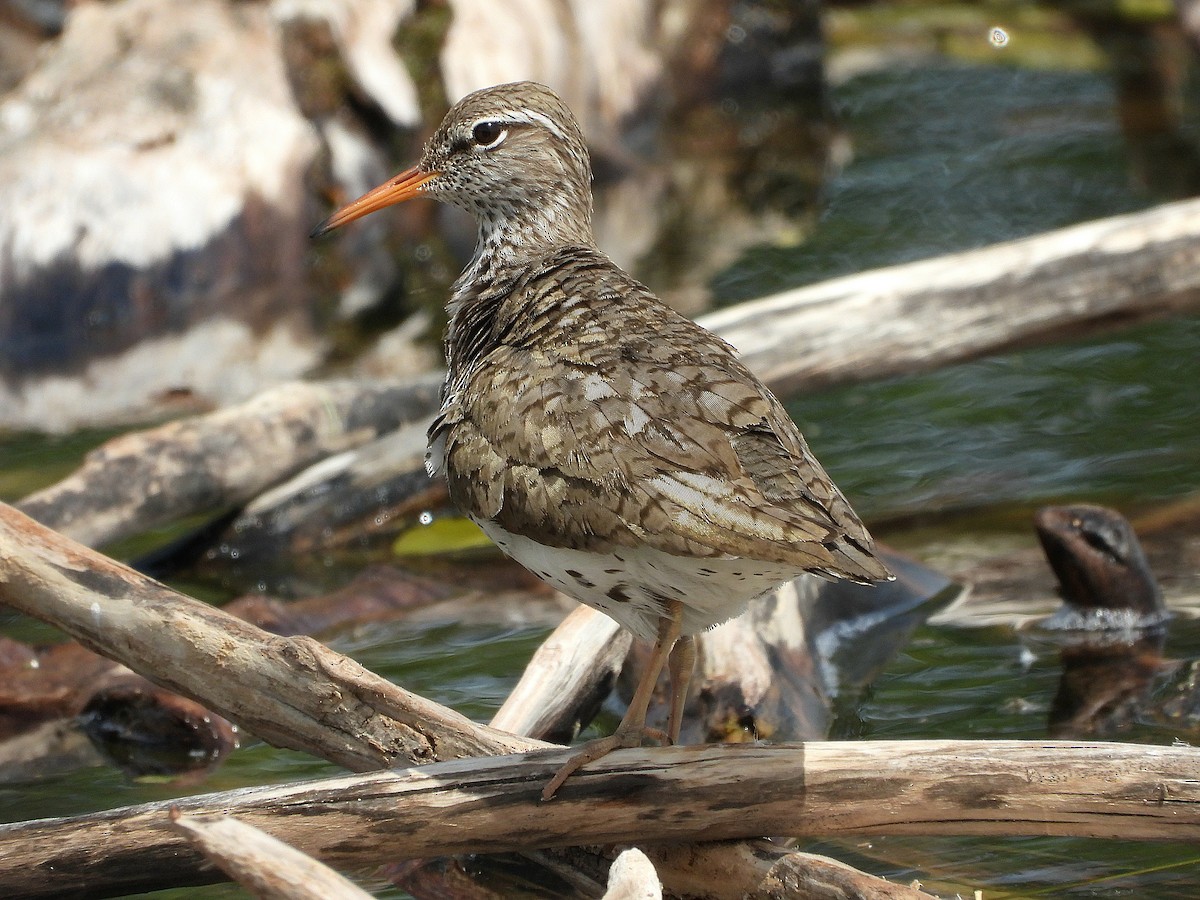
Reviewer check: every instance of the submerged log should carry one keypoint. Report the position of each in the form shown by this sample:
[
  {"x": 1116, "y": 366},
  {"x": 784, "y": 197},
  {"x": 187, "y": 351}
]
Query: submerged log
[{"x": 944, "y": 787}]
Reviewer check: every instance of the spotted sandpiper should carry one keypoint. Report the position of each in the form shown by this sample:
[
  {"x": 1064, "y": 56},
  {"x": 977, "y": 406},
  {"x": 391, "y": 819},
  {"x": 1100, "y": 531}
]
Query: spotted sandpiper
[{"x": 612, "y": 446}]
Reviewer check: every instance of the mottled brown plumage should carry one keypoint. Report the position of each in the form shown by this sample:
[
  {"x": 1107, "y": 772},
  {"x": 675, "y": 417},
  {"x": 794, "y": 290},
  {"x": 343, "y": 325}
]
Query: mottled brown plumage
[{"x": 613, "y": 446}]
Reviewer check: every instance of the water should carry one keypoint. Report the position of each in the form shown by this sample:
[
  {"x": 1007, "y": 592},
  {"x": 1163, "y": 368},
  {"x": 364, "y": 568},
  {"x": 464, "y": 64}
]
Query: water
[{"x": 946, "y": 157}]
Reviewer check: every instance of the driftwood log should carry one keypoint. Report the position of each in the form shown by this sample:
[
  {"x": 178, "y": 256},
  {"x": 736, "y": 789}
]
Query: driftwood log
[
  {"x": 291, "y": 691},
  {"x": 946, "y": 787},
  {"x": 888, "y": 787},
  {"x": 1063, "y": 284},
  {"x": 572, "y": 670},
  {"x": 266, "y": 866}
]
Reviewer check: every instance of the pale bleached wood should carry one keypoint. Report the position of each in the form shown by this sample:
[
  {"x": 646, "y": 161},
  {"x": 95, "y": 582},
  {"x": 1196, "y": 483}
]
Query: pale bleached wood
[
  {"x": 923, "y": 315},
  {"x": 632, "y": 877},
  {"x": 137, "y": 481},
  {"x": 291, "y": 691},
  {"x": 265, "y": 866},
  {"x": 571, "y": 668},
  {"x": 992, "y": 788},
  {"x": 755, "y": 678}
]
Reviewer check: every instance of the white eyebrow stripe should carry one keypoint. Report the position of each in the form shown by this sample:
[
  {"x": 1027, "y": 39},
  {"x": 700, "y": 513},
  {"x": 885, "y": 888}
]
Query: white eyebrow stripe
[{"x": 532, "y": 117}]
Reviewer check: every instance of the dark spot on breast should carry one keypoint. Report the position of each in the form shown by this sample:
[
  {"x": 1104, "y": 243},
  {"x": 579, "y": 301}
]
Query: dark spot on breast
[
  {"x": 613, "y": 571},
  {"x": 619, "y": 592},
  {"x": 573, "y": 573}
]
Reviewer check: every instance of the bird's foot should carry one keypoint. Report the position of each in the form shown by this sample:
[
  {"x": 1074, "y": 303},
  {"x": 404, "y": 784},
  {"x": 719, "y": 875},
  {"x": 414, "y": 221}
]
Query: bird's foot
[{"x": 621, "y": 739}]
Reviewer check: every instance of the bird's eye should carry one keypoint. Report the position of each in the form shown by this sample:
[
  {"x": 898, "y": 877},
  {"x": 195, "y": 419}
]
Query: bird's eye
[{"x": 489, "y": 135}]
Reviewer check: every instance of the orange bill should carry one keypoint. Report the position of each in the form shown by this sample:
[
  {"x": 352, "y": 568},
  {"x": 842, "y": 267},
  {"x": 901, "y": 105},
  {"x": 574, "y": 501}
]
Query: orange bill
[{"x": 403, "y": 187}]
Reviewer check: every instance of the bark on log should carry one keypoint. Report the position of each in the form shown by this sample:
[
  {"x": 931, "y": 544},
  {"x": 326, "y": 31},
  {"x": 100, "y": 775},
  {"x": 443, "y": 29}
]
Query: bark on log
[
  {"x": 292, "y": 692},
  {"x": 920, "y": 316},
  {"x": 206, "y": 463},
  {"x": 993, "y": 788}
]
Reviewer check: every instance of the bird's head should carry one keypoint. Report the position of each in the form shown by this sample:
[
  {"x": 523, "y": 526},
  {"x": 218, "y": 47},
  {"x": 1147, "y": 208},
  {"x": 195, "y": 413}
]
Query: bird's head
[{"x": 512, "y": 155}]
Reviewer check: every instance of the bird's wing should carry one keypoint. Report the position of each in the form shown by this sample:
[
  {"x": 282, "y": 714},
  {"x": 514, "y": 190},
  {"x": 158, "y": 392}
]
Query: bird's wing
[
  {"x": 731, "y": 472},
  {"x": 651, "y": 433}
]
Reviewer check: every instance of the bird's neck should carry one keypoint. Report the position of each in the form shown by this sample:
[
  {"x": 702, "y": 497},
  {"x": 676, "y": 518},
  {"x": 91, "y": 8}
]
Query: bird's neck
[
  {"x": 508, "y": 247},
  {"x": 518, "y": 233}
]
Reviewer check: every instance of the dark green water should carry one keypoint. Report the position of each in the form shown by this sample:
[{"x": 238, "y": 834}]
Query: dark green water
[{"x": 947, "y": 157}]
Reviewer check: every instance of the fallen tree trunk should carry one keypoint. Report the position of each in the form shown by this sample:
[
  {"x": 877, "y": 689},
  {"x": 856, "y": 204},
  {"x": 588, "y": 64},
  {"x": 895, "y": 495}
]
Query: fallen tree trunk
[
  {"x": 1060, "y": 285},
  {"x": 945, "y": 787}
]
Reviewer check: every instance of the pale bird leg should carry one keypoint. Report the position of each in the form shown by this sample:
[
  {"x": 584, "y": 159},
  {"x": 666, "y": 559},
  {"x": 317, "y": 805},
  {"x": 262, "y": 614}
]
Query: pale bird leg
[
  {"x": 632, "y": 730},
  {"x": 682, "y": 663}
]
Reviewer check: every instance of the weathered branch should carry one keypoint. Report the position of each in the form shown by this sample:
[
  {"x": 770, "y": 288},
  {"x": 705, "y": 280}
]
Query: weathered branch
[
  {"x": 761, "y": 870},
  {"x": 292, "y": 692},
  {"x": 264, "y": 865},
  {"x": 205, "y": 463},
  {"x": 1122, "y": 791},
  {"x": 573, "y": 669},
  {"x": 924, "y": 315}
]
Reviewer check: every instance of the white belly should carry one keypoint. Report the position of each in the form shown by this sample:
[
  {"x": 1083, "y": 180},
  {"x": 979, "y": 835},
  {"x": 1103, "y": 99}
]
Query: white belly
[{"x": 632, "y": 584}]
